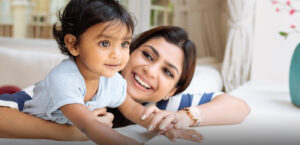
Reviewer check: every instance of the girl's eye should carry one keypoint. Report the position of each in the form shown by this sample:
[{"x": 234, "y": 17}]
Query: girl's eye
[
  {"x": 147, "y": 55},
  {"x": 125, "y": 44},
  {"x": 104, "y": 44},
  {"x": 167, "y": 72}
]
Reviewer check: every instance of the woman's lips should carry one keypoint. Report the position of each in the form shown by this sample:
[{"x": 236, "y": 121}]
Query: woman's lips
[{"x": 138, "y": 84}]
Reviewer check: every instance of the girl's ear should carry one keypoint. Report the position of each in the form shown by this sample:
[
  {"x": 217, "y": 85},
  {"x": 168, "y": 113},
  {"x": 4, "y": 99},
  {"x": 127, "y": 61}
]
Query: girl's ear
[{"x": 70, "y": 41}]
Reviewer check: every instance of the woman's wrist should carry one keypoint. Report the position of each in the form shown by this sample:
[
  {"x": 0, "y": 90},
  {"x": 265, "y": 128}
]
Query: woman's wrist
[
  {"x": 186, "y": 116},
  {"x": 195, "y": 114}
]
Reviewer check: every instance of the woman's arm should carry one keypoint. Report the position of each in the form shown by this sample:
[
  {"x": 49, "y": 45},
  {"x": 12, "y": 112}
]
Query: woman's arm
[
  {"x": 16, "y": 124},
  {"x": 222, "y": 110},
  {"x": 95, "y": 130},
  {"x": 134, "y": 111}
]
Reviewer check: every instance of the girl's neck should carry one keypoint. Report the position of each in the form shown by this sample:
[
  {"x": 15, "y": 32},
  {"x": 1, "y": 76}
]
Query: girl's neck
[{"x": 91, "y": 89}]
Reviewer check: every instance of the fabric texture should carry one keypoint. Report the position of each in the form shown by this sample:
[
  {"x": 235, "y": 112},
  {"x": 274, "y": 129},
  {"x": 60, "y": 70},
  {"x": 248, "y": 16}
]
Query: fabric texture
[
  {"x": 238, "y": 52},
  {"x": 65, "y": 85},
  {"x": 15, "y": 100},
  {"x": 205, "y": 22},
  {"x": 9, "y": 89}
]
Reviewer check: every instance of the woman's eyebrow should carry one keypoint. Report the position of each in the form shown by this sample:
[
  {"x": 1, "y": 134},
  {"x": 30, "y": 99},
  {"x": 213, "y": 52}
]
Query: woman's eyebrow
[
  {"x": 172, "y": 66},
  {"x": 153, "y": 49}
]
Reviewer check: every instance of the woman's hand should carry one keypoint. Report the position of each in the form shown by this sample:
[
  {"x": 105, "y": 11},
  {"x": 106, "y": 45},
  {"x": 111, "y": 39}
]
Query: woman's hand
[
  {"x": 159, "y": 115},
  {"x": 166, "y": 120},
  {"x": 187, "y": 134},
  {"x": 103, "y": 116},
  {"x": 180, "y": 119}
]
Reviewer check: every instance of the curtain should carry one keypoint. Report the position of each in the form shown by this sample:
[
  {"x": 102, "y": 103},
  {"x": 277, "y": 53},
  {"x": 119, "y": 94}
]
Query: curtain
[
  {"x": 238, "y": 52},
  {"x": 204, "y": 22}
]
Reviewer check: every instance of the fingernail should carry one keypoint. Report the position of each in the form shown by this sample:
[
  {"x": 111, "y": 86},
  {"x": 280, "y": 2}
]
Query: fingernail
[
  {"x": 150, "y": 127},
  {"x": 143, "y": 117},
  {"x": 162, "y": 127}
]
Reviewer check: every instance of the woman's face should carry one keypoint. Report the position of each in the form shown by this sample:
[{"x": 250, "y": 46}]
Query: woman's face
[{"x": 153, "y": 70}]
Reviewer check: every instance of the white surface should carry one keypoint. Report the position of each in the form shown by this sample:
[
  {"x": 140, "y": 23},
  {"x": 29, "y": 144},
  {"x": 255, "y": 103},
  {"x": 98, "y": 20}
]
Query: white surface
[
  {"x": 207, "y": 77},
  {"x": 272, "y": 121},
  {"x": 272, "y": 53}
]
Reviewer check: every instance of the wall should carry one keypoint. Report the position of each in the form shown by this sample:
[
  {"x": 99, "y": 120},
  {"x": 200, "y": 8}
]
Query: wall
[{"x": 272, "y": 52}]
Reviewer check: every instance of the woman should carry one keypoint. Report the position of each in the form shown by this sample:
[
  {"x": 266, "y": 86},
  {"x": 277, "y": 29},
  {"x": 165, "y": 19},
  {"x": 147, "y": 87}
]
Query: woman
[{"x": 161, "y": 64}]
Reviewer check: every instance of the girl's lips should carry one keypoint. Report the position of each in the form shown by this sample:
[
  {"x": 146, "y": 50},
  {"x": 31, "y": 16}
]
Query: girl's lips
[
  {"x": 112, "y": 66},
  {"x": 138, "y": 85}
]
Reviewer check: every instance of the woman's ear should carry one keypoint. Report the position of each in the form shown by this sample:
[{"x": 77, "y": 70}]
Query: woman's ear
[
  {"x": 172, "y": 92},
  {"x": 70, "y": 41}
]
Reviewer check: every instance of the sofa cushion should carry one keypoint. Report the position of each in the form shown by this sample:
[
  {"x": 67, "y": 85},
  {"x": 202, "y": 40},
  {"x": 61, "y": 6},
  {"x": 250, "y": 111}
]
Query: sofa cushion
[{"x": 22, "y": 67}]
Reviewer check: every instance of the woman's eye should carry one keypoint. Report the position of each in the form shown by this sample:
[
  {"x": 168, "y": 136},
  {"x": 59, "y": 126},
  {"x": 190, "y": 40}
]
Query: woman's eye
[
  {"x": 125, "y": 44},
  {"x": 167, "y": 72},
  {"x": 148, "y": 56},
  {"x": 104, "y": 44}
]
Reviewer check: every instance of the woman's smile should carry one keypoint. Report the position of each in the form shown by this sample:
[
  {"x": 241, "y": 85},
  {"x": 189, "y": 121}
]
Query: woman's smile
[{"x": 141, "y": 83}]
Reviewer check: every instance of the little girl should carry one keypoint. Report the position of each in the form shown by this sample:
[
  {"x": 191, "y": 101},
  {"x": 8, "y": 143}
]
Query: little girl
[{"x": 96, "y": 35}]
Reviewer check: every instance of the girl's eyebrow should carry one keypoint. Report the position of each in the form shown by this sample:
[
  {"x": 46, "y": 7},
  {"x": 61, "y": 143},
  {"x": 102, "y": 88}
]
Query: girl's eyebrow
[
  {"x": 157, "y": 54},
  {"x": 109, "y": 37}
]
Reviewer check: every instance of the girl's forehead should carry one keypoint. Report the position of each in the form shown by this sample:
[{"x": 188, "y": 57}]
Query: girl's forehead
[{"x": 116, "y": 25}]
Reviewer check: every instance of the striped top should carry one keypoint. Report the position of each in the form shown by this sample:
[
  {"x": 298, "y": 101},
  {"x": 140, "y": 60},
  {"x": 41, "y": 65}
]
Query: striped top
[{"x": 183, "y": 100}]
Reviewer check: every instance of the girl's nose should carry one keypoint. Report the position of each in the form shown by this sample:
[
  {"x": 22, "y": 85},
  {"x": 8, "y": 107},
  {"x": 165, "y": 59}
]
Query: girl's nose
[{"x": 116, "y": 53}]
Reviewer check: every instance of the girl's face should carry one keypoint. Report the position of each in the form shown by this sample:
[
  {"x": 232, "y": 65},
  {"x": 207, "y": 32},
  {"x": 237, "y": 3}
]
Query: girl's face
[
  {"x": 103, "y": 50},
  {"x": 153, "y": 70}
]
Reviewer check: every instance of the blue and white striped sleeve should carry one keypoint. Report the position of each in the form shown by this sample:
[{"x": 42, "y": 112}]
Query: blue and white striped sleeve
[{"x": 180, "y": 101}]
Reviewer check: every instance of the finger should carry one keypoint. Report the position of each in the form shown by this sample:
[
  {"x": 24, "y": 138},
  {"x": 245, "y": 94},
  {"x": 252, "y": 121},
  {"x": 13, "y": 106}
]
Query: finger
[
  {"x": 181, "y": 124},
  {"x": 149, "y": 110},
  {"x": 99, "y": 112},
  {"x": 168, "y": 121},
  {"x": 109, "y": 116},
  {"x": 105, "y": 121},
  {"x": 156, "y": 119}
]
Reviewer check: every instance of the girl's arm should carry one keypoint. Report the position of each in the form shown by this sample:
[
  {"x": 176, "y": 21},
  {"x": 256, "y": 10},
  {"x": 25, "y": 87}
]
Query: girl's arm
[
  {"x": 95, "y": 130},
  {"x": 16, "y": 124}
]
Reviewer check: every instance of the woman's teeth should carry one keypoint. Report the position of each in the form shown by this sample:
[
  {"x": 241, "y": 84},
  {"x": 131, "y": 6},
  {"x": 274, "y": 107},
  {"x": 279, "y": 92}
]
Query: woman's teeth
[{"x": 141, "y": 82}]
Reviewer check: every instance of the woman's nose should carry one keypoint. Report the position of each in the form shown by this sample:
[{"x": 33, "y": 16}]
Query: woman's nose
[{"x": 151, "y": 70}]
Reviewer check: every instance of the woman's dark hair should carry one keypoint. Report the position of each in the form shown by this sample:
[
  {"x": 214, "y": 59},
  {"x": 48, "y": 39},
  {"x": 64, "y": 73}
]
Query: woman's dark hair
[
  {"x": 178, "y": 37},
  {"x": 79, "y": 15}
]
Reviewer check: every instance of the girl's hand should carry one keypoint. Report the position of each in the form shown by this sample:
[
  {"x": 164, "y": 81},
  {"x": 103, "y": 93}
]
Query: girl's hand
[
  {"x": 103, "y": 116},
  {"x": 187, "y": 134}
]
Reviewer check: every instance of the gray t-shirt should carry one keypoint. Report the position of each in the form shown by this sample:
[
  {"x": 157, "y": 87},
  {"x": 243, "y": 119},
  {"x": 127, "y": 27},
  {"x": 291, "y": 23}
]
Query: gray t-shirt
[{"x": 65, "y": 85}]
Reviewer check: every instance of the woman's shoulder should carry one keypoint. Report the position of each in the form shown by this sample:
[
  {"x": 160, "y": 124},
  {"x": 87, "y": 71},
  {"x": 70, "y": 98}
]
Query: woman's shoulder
[{"x": 183, "y": 100}]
